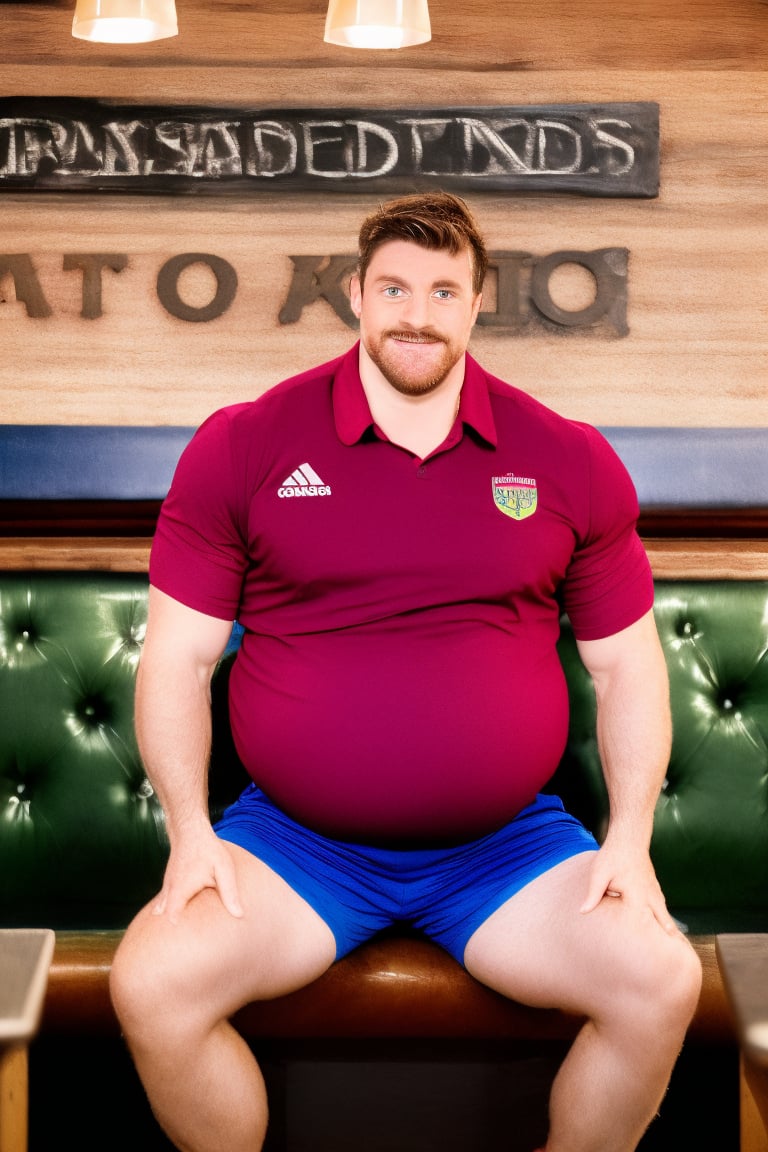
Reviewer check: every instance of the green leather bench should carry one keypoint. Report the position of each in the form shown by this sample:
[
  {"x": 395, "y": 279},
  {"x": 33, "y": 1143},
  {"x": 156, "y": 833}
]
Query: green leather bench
[{"x": 83, "y": 843}]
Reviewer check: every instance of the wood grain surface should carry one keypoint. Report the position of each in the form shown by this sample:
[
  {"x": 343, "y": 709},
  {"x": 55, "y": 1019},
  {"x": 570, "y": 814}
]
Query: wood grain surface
[
  {"x": 673, "y": 559},
  {"x": 697, "y": 311}
]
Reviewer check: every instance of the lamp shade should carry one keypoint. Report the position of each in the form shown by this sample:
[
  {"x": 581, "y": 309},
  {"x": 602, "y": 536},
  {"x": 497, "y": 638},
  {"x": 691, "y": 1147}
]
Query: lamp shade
[
  {"x": 124, "y": 21},
  {"x": 377, "y": 23}
]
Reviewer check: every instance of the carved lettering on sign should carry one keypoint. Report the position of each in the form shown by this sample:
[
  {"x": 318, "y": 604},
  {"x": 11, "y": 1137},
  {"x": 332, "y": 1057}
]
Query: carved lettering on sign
[
  {"x": 597, "y": 150},
  {"x": 168, "y": 291},
  {"x": 315, "y": 277},
  {"x": 609, "y": 270},
  {"x": 523, "y": 291},
  {"x": 28, "y": 289},
  {"x": 91, "y": 264},
  {"x": 520, "y": 279}
]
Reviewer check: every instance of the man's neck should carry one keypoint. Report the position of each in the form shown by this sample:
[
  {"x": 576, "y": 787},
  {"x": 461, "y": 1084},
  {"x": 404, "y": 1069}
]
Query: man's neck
[{"x": 418, "y": 423}]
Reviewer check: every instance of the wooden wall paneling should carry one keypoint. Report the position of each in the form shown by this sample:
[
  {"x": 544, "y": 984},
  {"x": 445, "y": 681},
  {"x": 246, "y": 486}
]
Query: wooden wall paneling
[
  {"x": 698, "y": 285},
  {"x": 678, "y": 559},
  {"x": 697, "y": 306},
  {"x": 64, "y": 553},
  {"x": 264, "y": 38}
]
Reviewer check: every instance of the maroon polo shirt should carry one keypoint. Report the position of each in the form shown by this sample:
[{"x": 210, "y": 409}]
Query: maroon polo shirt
[{"x": 398, "y": 677}]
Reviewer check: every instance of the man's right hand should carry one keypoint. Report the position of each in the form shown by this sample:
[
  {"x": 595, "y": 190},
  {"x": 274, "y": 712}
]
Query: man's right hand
[{"x": 195, "y": 863}]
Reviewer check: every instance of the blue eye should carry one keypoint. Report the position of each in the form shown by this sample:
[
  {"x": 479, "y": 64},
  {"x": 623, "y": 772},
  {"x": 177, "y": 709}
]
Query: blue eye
[
  {"x": 444, "y": 294},
  {"x": 392, "y": 290}
]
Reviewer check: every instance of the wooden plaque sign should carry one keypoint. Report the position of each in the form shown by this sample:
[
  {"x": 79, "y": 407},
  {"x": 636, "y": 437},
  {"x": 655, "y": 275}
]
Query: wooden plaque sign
[{"x": 609, "y": 150}]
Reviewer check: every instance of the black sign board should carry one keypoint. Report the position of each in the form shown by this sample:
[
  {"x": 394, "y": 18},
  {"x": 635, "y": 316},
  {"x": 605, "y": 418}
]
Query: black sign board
[{"x": 89, "y": 145}]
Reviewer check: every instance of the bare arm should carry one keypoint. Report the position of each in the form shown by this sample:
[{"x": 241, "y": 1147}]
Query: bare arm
[
  {"x": 173, "y": 729},
  {"x": 634, "y": 733}
]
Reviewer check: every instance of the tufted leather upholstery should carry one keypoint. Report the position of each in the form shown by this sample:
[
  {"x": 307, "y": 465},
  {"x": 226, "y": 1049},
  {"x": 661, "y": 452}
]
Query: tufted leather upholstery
[
  {"x": 82, "y": 839},
  {"x": 710, "y": 841}
]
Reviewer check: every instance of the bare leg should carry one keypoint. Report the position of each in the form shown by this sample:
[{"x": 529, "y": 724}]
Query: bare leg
[
  {"x": 637, "y": 986},
  {"x": 174, "y": 988}
]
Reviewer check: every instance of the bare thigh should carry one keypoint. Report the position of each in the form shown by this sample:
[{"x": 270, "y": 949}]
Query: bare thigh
[
  {"x": 539, "y": 947},
  {"x": 209, "y": 963}
]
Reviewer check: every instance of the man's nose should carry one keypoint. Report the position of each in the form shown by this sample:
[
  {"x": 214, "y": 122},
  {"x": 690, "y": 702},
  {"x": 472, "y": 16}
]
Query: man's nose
[{"x": 417, "y": 310}]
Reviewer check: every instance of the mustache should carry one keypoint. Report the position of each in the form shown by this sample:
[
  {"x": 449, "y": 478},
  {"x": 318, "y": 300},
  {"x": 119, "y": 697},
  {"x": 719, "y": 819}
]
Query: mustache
[{"x": 415, "y": 334}]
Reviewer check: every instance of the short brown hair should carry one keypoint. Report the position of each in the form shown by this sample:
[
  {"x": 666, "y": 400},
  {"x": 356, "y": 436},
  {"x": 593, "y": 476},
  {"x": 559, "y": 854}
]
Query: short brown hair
[{"x": 433, "y": 220}]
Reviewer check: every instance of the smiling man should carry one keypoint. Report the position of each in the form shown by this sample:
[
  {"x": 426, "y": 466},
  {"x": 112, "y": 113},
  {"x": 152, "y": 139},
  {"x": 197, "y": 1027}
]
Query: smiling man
[
  {"x": 399, "y": 703},
  {"x": 416, "y": 318}
]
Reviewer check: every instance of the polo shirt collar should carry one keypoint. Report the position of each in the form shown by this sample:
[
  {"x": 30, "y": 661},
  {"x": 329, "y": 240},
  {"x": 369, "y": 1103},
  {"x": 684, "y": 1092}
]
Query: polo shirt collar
[{"x": 353, "y": 416}]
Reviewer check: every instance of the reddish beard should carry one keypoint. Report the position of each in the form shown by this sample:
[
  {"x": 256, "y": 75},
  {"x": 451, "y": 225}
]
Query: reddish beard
[{"x": 405, "y": 377}]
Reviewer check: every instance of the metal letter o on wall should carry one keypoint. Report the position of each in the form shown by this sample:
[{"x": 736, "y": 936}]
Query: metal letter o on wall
[
  {"x": 168, "y": 280},
  {"x": 609, "y": 269}
]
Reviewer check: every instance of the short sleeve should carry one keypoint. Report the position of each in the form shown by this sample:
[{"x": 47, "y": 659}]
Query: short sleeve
[
  {"x": 198, "y": 552},
  {"x": 608, "y": 584}
]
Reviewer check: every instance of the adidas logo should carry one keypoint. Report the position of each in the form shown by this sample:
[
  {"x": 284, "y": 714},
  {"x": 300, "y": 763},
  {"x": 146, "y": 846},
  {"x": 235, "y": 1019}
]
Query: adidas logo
[{"x": 304, "y": 481}]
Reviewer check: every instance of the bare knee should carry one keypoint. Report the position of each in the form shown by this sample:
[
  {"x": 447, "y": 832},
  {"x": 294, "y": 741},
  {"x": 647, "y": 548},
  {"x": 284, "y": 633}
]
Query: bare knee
[
  {"x": 149, "y": 984},
  {"x": 666, "y": 982},
  {"x": 132, "y": 983},
  {"x": 683, "y": 977}
]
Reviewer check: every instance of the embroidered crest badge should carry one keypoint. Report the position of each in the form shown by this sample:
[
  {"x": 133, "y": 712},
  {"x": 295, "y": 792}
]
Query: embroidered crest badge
[{"x": 515, "y": 496}]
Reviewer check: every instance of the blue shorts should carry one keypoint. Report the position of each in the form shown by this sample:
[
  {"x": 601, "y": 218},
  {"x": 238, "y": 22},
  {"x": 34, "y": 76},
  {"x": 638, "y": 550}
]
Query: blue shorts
[{"x": 446, "y": 893}]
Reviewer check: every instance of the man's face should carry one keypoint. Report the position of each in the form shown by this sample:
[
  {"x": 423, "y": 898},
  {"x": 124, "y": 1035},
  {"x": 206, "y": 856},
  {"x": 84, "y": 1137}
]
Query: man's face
[{"x": 416, "y": 313}]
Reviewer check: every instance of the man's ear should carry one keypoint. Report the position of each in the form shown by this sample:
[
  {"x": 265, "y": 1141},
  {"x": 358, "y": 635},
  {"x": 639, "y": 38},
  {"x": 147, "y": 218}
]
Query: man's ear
[
  {"x": 476, "y": 306},
  {"x": 356, "y": 294}
]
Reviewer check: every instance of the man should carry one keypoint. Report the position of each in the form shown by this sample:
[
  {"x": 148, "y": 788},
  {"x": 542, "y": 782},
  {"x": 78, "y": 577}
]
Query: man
[{"x": 398, "y": 532}]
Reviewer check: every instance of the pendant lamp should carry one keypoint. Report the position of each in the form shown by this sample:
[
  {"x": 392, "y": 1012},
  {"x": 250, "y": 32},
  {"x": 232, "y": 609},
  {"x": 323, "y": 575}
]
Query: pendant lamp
[
  {"x": 124, "y": 21},
  {"x": 377, "y": 23}
]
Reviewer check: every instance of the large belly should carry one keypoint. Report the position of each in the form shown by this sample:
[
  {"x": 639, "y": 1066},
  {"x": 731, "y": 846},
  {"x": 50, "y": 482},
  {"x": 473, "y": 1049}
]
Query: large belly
[{"x": 352, "y": 737}]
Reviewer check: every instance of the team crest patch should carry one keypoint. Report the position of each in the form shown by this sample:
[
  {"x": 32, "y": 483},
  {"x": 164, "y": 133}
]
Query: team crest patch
[{"x": 515, "y": 496}]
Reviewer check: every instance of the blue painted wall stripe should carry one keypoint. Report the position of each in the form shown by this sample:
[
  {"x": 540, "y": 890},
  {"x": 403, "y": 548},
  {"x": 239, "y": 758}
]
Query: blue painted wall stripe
[
  {"x": 74, "y": 462},
  {"x": 671, "y": 467}
]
